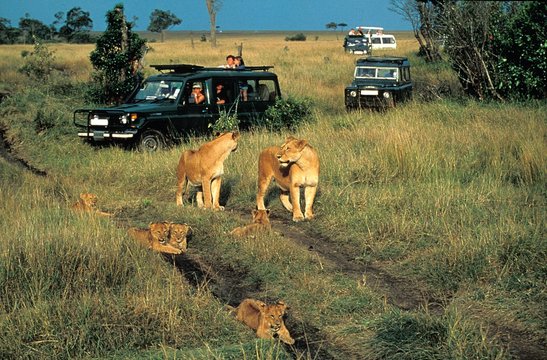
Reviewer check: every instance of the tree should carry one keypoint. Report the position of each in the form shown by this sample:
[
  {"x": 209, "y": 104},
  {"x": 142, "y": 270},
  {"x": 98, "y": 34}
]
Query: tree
[
  {"x": 34, "y": 29},
  {"x": 161, "y": 20},
  {"x": 342, "y": 26},
  {"x": 422, "y": 15},
  {"x": 77, "y": 26},
  {"x": 213, "y": 6},
  {"x": 519, "y": 45},
  {"x": 332, "y": 25},
  {"x": 8, "y": 34},
  {"x": 116, "y": 59}
]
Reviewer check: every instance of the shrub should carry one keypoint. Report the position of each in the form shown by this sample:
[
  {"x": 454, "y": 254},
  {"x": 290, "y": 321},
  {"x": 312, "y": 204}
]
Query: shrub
[
  {"x": 39, "y": 64},
  {"x": 297, "y": 37},
  {"x": 226, "y": 122},
  {"x": 287, "y": 114}
]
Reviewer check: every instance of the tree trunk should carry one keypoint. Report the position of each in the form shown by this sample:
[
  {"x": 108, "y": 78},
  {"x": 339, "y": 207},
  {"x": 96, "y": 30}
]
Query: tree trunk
[{"x": 212, "y": 9}]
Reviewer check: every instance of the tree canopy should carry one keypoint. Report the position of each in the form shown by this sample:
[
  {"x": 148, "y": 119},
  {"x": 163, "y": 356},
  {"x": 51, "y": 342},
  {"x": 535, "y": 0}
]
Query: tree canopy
[
  {"x": 116, "y": 59},
  {"x": 161, "y": 20},
  {"x": 77, "y": 25}
]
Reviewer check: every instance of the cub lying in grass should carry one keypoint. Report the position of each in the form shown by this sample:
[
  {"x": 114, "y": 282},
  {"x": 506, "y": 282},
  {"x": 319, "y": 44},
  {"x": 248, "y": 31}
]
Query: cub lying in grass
[
  {"x": 261, "y": 223},
  {"x": 88, "y": 203},
  {"x": 163, "y": 237},
  {"x": 267, "y": 320}
]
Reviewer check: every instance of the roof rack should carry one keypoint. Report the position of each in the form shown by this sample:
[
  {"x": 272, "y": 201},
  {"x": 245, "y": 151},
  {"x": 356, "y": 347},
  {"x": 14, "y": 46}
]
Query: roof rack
[{"x": 189, "y": 68}]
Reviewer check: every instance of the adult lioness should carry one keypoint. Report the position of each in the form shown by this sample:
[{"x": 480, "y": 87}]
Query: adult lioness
[
  {"x": 88, "y": 203},
  {"x": 293, "y": 165},
  {"x": 203, "y": 168},
  {"x": 156, "y": 237},
  {"x": 267, "y": 320},
  {"x": 261, "y": 223}
]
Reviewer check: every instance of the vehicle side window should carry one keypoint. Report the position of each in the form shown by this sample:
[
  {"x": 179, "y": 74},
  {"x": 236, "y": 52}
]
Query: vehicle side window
[
  {"x": 265, "y": 90},
  {"x": 195, "y": 93},
  {"x": 388, "y": 40},
  {"x": 376, "y": 40}
]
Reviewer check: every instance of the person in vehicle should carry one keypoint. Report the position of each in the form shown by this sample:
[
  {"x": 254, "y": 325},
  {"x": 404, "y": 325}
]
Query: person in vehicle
[
  {"x": 230, "y": 62},
  {"x": 196, "y": 97},
  {"x": 221, "y": 94},
  {"x": 243, "y": 85}
]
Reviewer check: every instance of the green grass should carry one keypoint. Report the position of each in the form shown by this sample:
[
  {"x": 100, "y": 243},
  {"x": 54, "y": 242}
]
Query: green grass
[{"x": 449, "y": 194}]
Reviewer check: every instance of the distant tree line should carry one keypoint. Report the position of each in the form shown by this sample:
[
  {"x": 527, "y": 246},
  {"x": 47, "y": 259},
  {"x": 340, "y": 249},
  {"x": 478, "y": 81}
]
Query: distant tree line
[{"x": 75, "y": 26}]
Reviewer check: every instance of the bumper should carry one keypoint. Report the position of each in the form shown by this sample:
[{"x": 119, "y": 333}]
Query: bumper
[{"x": 105, "y": 135}]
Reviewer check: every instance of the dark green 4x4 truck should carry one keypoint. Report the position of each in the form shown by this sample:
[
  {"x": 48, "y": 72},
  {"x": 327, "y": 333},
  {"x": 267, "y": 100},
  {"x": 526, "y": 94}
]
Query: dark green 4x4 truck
[
  {"x": 379, "y": 82},
  {"x": 161, "y": 110}
]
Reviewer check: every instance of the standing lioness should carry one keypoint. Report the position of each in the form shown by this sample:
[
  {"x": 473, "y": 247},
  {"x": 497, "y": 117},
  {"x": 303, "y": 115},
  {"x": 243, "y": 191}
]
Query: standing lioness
[
  {"x": 203, "y": 168},
  {"x": 294, "y": 165}
]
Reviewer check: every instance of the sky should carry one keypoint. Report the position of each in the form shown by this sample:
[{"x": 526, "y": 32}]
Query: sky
[{"x": 250, "y": 15}]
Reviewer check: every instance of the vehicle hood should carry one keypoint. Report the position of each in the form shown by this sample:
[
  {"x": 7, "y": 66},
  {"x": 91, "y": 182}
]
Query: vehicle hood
[
  {"x": 373, "y": 84},
  {"x": 148, "y": 107}
]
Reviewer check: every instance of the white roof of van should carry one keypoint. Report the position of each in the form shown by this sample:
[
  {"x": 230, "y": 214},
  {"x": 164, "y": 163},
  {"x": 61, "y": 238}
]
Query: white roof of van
[{"x": 371, "y": 27}]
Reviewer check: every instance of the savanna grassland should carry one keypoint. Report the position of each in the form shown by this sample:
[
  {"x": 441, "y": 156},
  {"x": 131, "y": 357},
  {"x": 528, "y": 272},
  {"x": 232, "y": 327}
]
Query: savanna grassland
[{"x": 440, "y": 201}]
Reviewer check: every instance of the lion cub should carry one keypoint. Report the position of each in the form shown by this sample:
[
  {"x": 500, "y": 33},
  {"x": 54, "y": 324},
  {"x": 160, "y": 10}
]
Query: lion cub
[
  {"x": 203, "y": 169},
  {"x": 88, "y": 203},
  {"x": 267, "y": 320},
  {"x": 293, "y": 165},
  {"x": 261, "y": 223},
  {"x": 163, "y": 237}
]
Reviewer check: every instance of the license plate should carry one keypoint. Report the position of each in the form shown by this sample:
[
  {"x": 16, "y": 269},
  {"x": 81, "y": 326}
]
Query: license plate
[
  {"x": 369, "y": 92},
  {"x": 98, "y": 135},
  {"x": 98, "y": 122}
]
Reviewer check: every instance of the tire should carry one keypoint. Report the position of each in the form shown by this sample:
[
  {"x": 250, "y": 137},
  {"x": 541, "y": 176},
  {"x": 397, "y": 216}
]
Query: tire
[{"x": 151, "y": 141}]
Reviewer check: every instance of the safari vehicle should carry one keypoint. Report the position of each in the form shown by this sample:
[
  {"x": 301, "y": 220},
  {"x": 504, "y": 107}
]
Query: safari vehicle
[
  {"x": 357, "y": 44},
  {"x": 379, "y": 82},
  {"x": 161, "y": 110},
  {"x": 377, "y": 39}
]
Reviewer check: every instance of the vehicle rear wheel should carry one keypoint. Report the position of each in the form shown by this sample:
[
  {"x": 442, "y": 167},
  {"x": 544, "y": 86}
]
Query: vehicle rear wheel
[{"x": 151, "y": 140}]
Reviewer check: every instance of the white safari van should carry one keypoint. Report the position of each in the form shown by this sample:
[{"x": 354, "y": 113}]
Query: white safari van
[
  {"x": 378, "y": 39},
  {"x": 383, "y": 41}
]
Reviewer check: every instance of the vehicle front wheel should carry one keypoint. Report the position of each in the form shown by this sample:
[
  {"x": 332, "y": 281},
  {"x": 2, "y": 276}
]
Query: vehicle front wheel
[{"x": 151, "y": 140}]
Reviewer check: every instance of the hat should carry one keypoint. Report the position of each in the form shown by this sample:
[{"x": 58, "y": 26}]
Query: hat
[{"x": 196, "y": 85}]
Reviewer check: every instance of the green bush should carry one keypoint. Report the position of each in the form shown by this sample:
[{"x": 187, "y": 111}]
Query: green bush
[
  {"x": 39, "y": 64},
  {"x": 297, "y": 37},
  {"x": 226, "y": 122},
  {"x": 287, "y": 114}
]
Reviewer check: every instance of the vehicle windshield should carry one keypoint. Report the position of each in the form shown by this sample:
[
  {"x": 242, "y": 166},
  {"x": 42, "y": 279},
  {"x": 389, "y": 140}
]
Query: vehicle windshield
[
  {"x": 367, "y": 72},
  {"x": 157, "y": 90}
]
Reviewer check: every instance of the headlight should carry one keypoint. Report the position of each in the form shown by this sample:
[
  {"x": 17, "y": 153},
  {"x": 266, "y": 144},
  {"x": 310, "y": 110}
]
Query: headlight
[
  {"x": 353, "y": 93},
  {"x": 123, "y": 119},
  {"x": 387, "y": 94}
]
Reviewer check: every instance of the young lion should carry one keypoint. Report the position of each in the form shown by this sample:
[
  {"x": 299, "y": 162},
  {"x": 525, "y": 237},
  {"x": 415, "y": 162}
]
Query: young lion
[
  {"x": 179, "y": 235},
  {"x": 294, "y": 165},
  {"x": 261, "y": 223},
  {"x": 155, "y": 238},
  {"x": 88, "y": 203},
  {"x": 267, "y": 320},
  {"x": 203, "y": 168}
]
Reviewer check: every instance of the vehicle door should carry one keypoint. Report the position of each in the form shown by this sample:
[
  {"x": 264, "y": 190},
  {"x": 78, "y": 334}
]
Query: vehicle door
[
  {"x": 261, "y": 94},
  {"x": 192, "y": 116}
]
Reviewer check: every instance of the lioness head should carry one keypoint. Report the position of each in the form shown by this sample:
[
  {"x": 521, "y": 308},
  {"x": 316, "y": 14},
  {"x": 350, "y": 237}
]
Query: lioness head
[
  {"x": 160, "y": 232},
  {"x": 230, "y": 137},
  {"x": 273, "y": 315},
  {"x": 261, "y": 216},
  {"x": 178, "y": 237},
  {"x": 291, "y": 151},
  {"x": 89, "y": 199}
]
